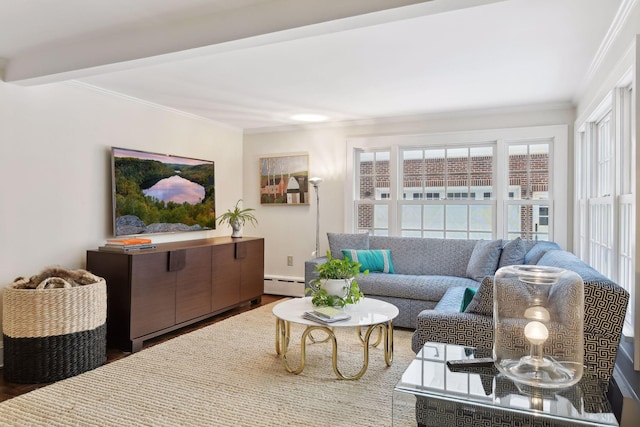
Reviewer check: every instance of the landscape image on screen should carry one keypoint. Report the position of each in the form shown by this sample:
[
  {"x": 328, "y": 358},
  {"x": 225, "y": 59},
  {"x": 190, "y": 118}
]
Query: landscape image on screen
[{"x": 158, "y": 193}]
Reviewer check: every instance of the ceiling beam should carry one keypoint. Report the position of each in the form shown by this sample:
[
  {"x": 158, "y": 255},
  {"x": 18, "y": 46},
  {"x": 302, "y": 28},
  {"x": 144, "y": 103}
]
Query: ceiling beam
[{"x": 258, "y": 24}]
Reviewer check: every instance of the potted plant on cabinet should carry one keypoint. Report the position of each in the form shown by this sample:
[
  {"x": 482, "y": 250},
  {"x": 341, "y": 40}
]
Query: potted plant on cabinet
[
  {"x": 336, "y": 284},
  {"x": 237, "y": 217}
]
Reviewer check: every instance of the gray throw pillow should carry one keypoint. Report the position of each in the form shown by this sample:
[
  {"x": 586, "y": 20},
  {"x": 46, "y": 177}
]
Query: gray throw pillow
[
  {"x": 340, "y": 241},
  {"x": 513, "y": 253},
  {"x": 484, "y": 259}
]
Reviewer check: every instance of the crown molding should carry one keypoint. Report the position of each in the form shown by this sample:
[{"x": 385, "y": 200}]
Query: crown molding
[
  {"x": 625, "y": 9},
  {"x": 84, "y": 85},
  {"x": 385, "y": 120}
]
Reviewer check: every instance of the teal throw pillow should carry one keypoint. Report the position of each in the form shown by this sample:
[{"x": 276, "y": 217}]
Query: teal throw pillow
[
  {"x": 372, "y": 259},
  {"x": 467, "y": 296}
]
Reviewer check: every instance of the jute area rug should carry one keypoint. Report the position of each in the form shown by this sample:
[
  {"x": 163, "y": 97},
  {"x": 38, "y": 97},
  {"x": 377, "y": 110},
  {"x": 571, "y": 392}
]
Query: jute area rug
[{"x": 226, "y": 374}]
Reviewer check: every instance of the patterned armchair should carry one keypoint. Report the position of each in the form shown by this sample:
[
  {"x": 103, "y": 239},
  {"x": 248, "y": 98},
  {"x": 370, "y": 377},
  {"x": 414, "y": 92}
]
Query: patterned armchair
[{"x": 605, "y": 307}]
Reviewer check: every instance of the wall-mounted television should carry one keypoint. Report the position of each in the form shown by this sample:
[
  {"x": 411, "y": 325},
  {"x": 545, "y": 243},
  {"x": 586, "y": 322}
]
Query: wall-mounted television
[{"x": 160, "y": 193}]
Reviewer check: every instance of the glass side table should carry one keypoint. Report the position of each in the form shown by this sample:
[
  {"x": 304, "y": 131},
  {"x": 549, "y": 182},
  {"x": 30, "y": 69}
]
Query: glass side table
[{"x": 432, "y": 394}]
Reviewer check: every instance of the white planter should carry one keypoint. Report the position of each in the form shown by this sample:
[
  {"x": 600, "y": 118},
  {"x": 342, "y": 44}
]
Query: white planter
[
  {"x": 236, "y": 226},
  {"x": 339, "y": 287}
]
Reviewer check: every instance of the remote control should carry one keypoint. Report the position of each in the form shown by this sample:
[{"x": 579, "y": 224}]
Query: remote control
[{"x": 469, "y": 363}]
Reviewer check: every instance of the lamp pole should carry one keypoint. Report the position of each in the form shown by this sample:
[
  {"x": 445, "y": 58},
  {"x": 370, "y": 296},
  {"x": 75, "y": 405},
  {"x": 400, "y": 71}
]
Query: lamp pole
[{"x": 315, "y": 181}]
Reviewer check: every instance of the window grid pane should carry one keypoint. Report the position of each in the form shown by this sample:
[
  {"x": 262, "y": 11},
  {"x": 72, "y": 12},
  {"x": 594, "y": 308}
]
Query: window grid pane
[
  {"x": 374, "y": 180},
  {"x": 604, "y": 157},
  {"x": 626, "y": 254},
  {"x": 528, "y": 221},
  {"x": 600, "y": 237},
  {"x": 528, "y": 170},
  {"x": 372, "y": 218},
  {"x": 626, "y": 172},
  {"x": 435, "y": 176}
]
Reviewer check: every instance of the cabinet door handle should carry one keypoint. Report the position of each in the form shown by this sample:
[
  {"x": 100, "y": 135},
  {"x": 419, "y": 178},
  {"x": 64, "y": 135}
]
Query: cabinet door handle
[
  {"x": 177, "y": 260},
  {"x": 241, "y": 250}
]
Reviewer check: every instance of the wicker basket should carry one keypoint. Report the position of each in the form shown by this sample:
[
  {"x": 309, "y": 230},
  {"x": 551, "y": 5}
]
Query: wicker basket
[{"x": 51, "y": 334}]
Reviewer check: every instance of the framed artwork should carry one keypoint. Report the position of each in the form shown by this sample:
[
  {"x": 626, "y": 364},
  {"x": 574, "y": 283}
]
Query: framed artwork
[{"x": 284, "y": 180}]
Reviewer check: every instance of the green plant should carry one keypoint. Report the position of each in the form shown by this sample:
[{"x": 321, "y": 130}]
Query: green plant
[
  {"x": 336, "y": 269},
  {"x": 238, "y": 216}
]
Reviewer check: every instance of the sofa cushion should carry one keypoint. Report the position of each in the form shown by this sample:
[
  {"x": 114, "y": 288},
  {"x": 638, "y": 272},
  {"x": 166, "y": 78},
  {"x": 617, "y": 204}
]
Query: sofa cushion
[
  {"x": 426, "y": 256},
  {"x": 371, "y": 259},
  {"x": 451, "y": 299},
  {"x": 484, "y": 259},
  {"x": 482, "y": 302},
  {"x": 422, "y": 288},
  {"x": 569, "y": 261},
  {"x": 538, "y": 251},
  {"x": 513, "y": 252},
  {"x": 340, "y": 241}
]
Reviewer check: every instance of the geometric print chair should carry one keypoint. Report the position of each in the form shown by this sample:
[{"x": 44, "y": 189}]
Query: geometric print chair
[{"x": 605, "y": 305}]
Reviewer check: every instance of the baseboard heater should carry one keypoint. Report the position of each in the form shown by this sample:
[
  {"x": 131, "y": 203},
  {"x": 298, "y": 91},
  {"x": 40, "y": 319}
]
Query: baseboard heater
[{"x": 284, "y": 285}]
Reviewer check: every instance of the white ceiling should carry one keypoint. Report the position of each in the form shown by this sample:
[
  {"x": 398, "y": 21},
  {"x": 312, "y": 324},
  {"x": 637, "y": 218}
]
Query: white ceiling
[{"x": 253, "y": 63}]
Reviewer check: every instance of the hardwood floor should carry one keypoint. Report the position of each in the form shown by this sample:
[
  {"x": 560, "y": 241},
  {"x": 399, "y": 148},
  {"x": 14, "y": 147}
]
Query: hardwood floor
[{"x": 10, "y": 390}]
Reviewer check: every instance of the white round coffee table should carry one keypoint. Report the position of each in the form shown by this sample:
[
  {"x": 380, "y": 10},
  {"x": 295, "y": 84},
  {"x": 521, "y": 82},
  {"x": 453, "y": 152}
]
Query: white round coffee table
[{"x": 368, "y": 312}]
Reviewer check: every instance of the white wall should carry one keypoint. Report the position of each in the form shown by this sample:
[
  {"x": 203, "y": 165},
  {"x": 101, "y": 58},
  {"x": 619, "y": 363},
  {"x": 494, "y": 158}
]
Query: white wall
[
  {"x": 55, "y": 169},
  {"x": 290, "y": 230}
]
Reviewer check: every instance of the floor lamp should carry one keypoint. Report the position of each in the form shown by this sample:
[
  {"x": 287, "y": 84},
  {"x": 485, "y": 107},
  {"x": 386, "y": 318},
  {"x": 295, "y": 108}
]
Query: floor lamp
[{"x": 315, "y": 181}]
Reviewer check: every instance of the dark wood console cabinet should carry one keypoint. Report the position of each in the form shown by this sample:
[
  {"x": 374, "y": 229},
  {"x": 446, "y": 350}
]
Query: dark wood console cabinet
[{"x": 153, "y": 292}]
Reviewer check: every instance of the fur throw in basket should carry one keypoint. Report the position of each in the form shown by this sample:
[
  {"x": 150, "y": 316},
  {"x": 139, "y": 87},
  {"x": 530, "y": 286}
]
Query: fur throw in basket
[
  {"x": 53, "y": 325},
  {"x": 56, "y": 277}
]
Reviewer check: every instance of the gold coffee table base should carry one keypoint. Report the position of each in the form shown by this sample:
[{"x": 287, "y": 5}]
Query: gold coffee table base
[{"x": 283, "y": 329}]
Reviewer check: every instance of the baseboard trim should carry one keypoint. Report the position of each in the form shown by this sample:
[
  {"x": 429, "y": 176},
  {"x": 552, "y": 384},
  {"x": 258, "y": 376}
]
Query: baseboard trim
[
  {"x": 624, "y": 400},
  {"x": 284, "y": 285},
  {"x": 624, "y": 387}
]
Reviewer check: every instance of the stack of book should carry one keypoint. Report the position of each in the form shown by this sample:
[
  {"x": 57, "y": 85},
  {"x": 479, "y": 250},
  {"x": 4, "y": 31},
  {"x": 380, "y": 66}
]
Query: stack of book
[
  {"x": 127, "y": 245},
  {"x": 326, "y": 315}
]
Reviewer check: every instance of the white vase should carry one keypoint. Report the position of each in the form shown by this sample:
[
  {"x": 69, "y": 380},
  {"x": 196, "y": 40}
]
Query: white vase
[
  {"x": 338, "y": 287},
  {"x": 236, "y": 226}
]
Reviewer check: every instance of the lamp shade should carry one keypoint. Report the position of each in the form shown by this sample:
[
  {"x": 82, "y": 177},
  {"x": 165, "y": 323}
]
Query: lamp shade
[
  {"x": 538, "y": 325},
  {"x": 315, "y": 181}
]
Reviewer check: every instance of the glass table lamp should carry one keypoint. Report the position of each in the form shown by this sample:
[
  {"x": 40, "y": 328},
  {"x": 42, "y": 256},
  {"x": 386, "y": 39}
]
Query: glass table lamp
[{"x": 538, "y": 325}]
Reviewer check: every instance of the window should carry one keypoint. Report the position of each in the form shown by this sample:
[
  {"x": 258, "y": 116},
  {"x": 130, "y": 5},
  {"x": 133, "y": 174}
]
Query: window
[
  {"x": 373, "y": 192},
  {"x": 528, "y": 195},
  {"x": 456, "y": 173},
  {"x": 605, "y": 203},
  {"x": 543, "y": 216},
  {"x": 449, "y": 186}
]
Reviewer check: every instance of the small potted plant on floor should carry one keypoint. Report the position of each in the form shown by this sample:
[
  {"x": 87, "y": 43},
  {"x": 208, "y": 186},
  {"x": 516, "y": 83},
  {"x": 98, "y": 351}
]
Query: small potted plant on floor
[
  {"x": 237, "y": 217},
  {"x": 336, "y": 284}
]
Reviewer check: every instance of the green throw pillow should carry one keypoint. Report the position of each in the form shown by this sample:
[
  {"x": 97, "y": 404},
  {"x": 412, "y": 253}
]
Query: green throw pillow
[
  {"x": 468, "y": 295},
  {"x": 372, "y": 259}
]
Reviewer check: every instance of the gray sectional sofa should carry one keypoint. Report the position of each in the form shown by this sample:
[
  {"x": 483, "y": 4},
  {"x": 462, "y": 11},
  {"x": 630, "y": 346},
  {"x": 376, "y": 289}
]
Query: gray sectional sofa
[
  {"x": 426, "y": 270},
  {"x": 431, "y": 278}
]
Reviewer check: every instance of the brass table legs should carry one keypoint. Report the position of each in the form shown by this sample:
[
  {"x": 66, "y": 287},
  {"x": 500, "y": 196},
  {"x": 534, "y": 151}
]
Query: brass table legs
[{"x": 385, "y": 330}]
